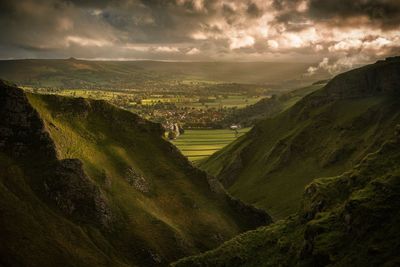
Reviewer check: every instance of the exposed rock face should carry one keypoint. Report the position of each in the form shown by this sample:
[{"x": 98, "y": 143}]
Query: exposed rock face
[
  {"x": 24, "y": 138},
  {"x": 382, "y": 77},
  {"x": 78, "y": 211},
  {"x": 137, "y": 180},
  {"x": 21, "y": 129},
  {"x": 75, "y": 194}
]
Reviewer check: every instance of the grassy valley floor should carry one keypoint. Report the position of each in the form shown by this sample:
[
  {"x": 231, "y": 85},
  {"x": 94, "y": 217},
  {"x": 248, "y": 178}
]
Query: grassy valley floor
[{"x": 200, "y": 144}]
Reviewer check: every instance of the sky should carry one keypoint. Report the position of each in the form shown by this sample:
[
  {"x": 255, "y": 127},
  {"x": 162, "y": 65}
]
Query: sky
[{"x": 333, "y": 34}]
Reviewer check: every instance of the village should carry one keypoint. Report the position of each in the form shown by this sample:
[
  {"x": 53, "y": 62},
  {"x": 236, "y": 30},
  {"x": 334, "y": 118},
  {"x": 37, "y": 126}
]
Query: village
[{"x": 194, "y": 108}]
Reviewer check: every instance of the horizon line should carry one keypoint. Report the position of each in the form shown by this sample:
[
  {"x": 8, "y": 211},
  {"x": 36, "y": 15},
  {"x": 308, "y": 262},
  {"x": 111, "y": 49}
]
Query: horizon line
[{"x": 158, "y": 60}]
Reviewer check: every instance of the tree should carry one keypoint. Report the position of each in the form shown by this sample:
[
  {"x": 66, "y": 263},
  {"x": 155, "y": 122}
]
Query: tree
[
  {"x": 181, "y": 130},
  {"x": 171, "y": 135}
]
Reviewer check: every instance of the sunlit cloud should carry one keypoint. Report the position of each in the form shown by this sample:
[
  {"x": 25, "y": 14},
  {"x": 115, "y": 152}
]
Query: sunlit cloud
[
  {"x": 193, "y": 51},
  {"x": 279, "y": 30},
  {"x": 83, "y": 41},
  {"x": 240, "y": 42},
  {"x": 166, "y": 49}
]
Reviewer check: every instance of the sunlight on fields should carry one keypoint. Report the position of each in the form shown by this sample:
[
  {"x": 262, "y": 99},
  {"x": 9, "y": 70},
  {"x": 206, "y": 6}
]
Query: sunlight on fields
[{"x": 200, "y": 144}]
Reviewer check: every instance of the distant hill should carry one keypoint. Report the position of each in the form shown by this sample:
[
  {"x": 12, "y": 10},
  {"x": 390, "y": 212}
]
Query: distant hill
[
  {"x": 83, "y": 183},
  {"x": 348, "y": 220},
  {"x": 74, "y": 73},
  {"x": 269, "y": 107},
  {"x": 327, "y": 132}
]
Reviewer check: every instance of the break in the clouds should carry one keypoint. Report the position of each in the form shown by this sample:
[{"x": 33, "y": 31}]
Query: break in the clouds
[{"x": 336, "y": 33}]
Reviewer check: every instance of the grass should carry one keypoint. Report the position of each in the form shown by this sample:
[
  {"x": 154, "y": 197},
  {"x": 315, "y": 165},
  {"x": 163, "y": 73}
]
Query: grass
[
  {"x": 177, "y": 215},
  {"x": 357, "y": 223},
  {"x": 197, "y": 145},
  {"x": 230, "y": 102},
  {"x": 282, "y": 155},
  {"x": 269, "y": 107},
  {"x": 320, "y": 135}
]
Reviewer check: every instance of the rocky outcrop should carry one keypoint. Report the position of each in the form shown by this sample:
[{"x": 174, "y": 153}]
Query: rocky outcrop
[
  {"x": 380, "y": 78},
  {"x": 75, "y": 195},
  {"x": 353, "y": 206},
  {"x": 62, "y": 183},
  {"x": 21, "y": 129},
  {"x": 93, "y": 207},
  {"x": 137, "y": 180}
]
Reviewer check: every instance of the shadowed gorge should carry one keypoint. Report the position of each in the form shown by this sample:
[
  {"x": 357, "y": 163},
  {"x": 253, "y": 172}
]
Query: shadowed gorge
[
  {"x": 75, "y": 191},
  {"x": 347, "y": 220},
  {"x": 200, "y": 133},
  {"x": 348, "y": 132}
]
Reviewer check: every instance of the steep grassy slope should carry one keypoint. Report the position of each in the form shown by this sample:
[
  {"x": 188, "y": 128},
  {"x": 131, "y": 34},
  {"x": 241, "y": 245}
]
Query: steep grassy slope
[
  {"x": 324, "y": 134},
  {"x": 84, "y": 183},
  {"x": 347, "y": 220},
  {"x": 269, "y": 107}
]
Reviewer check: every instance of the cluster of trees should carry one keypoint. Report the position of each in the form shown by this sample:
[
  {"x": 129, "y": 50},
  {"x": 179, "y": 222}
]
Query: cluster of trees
[{"x": 174, "y": 130}]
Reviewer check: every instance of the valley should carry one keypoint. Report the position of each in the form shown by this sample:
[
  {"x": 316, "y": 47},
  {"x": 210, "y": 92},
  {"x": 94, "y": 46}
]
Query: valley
[
  {"x": 200, "y": 133},
  {"x": 203, "y": 106},
  {"x": 197, "y": 97},
  {"x": 309, "y": 171},
  {"x": 114, "y": 192},
  {"x": 339, "y": 147},
  {"x": 325, "y": 133}
]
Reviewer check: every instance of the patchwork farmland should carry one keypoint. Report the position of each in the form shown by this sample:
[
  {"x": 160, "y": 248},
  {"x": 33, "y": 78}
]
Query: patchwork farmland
[{"x": 200, "y": 144}]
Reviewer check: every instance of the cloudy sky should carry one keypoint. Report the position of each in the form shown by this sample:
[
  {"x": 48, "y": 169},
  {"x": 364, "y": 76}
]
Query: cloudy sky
[{"x": 334, "y": 34}]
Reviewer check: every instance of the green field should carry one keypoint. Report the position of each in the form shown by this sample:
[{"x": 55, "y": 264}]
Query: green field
[
  {"x": 230, "y": 101},
  {"x": 199, "y": 144}
]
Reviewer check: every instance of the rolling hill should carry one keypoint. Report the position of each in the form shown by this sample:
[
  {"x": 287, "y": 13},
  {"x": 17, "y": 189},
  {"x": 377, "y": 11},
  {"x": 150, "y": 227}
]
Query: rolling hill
[
  {"x": 75, "y": 73},
  {"x": 327, "y": 132},
  {"x": 269, "y": 107},
  {"x": 348, "y": 220},
  {"x": 83, "y": 183}
]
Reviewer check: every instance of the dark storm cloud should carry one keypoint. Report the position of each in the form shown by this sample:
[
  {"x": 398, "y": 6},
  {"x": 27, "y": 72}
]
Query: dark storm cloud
[
  {"x": 198, "y": 29},
  {"x": 384, "y": 11},
  {"x": 145, "y": 21},
  {"x": 46, "y": 24},
  {"x": 90, "y": 3},
  {"x": 381, "y": 13},
  {"x": 253, "y": 10}
]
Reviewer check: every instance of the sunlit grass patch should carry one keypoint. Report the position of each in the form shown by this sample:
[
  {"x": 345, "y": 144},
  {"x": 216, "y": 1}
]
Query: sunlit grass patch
[{"x": 200, "y": 144}]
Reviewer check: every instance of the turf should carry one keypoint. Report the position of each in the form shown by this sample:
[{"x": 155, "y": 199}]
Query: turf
[
  {"x": 269, "y": 107},
  {"x": 332, "y": 162},
  {"x": 197, "y": 145},
  {"x": 348, "y": 220},
  {"x": 323, "y": 134},
  {"x": 167, "y": 210}
]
